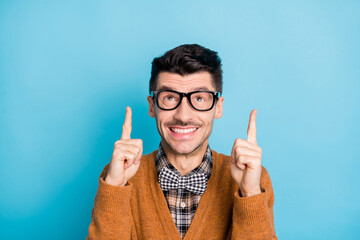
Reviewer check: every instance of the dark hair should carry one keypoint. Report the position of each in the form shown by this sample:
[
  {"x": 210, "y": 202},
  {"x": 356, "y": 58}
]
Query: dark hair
[{"x": 186, "y": 59}]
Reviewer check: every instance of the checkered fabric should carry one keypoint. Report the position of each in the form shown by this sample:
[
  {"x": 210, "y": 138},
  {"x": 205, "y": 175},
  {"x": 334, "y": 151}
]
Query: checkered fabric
[
  {"x": 195, "y": 183},
  {"x": 183, "y": 193}
]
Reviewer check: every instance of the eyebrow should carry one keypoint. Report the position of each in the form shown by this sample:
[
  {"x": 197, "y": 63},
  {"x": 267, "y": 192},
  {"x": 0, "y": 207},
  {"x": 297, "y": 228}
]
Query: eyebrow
[{"x": 194, "y": 89}]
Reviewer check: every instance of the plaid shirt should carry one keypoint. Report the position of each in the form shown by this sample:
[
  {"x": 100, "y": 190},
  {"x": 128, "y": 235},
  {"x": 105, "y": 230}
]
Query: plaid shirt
[{"x": 182, "y": 203}]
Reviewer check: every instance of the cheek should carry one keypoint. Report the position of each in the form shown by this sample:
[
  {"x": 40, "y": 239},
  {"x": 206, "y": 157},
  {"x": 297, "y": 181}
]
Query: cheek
[
  {"x": 162, "y": 117},
  {"x": 207, "y": 118}
]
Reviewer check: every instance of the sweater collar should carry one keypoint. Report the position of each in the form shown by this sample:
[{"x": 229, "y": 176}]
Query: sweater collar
[{"x": 205, "y": 166}]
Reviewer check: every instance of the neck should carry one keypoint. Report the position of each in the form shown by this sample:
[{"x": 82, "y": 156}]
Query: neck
[{"x": 185, "y": 163}]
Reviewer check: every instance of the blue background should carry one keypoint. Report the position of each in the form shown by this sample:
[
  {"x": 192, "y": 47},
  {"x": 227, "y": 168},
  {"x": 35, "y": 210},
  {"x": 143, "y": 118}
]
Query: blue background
[{"x": 68, "y": 69}]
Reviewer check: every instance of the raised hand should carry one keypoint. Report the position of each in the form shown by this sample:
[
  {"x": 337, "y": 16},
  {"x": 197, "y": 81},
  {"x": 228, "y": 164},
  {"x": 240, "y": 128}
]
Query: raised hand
[
  {"x": 246, "y": 161},
  {"x": 125, "y": 160}
]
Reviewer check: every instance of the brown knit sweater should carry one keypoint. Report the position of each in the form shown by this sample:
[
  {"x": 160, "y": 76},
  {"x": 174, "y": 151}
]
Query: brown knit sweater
[{"x": 139, "y": 209}]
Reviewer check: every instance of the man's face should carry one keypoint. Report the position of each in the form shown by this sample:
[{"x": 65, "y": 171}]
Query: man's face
[{"x": 184, "y": 129}]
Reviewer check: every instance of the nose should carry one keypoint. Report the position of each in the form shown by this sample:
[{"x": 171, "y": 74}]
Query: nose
[{"x": 184, "y": 112}]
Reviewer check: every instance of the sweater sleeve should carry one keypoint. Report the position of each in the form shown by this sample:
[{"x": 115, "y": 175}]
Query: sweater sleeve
[
  {"x": 253, "y": 217},
  {"x": 111, "y": 216}
]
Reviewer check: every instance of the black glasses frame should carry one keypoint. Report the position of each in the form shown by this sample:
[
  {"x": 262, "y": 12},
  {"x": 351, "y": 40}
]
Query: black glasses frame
[{"x": 187, "y": 95}]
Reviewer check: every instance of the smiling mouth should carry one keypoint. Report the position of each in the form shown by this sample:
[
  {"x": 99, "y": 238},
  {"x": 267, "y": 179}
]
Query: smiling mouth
[{"x": 183, "y": 130}]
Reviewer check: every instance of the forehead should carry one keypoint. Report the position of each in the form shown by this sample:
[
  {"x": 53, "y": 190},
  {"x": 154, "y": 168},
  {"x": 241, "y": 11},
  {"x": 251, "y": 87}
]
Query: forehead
[{"x": 187, "y": 83}]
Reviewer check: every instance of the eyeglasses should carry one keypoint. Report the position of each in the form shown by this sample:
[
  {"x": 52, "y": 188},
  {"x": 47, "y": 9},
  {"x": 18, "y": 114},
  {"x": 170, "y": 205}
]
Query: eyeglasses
[{"x": 199, "y": 100}]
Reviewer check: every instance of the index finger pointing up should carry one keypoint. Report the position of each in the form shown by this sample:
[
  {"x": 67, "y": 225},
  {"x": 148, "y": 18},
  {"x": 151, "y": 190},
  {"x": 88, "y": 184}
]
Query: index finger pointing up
[
  {"x": 251, "y": 132},
  {"x": 126, "y": 131}
]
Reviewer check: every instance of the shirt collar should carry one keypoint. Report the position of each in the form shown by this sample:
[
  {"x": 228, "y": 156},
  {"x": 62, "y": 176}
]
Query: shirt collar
[{"x": 206, "y": 165}]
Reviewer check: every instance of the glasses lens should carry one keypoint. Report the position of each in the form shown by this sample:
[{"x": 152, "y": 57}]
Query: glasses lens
[
  {"x": 202, "y": 100},
  {"x": 168, "y": 100}
]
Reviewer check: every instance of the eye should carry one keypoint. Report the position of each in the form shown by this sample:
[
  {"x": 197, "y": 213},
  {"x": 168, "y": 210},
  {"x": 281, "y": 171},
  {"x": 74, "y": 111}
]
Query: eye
[
  {"x": 169, "y": 98},
  {"x": 199, "y": 99}
]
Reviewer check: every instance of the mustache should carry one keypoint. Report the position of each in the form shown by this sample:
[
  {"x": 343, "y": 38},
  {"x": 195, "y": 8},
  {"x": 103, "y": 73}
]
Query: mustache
[{"x": 182, "y": 124}]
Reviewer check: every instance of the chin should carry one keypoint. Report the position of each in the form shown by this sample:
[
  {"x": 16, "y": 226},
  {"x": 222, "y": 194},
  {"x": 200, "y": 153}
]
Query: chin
[{"x": 183, "y": 148}]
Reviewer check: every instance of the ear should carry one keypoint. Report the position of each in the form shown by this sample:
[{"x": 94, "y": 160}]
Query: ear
[
  {"x": 219, "y": 108},
  {"x": 151, "y": 107}
]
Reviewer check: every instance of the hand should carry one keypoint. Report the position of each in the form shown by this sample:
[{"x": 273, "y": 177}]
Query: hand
[
  {"x": 246, "y": 161},
  {"x": 125, "y": 160}
]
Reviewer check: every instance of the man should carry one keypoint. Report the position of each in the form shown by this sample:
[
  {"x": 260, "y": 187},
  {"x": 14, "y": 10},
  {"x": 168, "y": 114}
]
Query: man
[{"x": 184, "y": 190}]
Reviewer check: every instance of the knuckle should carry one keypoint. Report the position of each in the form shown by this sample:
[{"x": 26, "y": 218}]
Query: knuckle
[
  {"x": 239, "y": 150},
  {"x": 237, "y": 141},
  {"x": 257, "y": 161},
  {"x": 118, "y": 144}
]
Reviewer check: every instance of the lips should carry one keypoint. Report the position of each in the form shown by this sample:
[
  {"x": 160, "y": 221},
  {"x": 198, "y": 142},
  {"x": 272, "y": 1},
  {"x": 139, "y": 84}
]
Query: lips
[
  {"x": 183, "y": 130},
  {"x": 182, "y": 133}
]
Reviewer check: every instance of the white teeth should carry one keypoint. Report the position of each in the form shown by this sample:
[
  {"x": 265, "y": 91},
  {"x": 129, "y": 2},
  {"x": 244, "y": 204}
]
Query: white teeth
[{"x": 182, "y": 130}]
